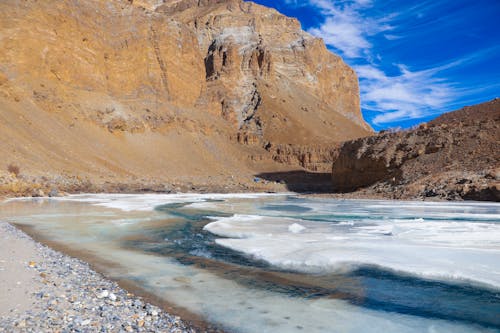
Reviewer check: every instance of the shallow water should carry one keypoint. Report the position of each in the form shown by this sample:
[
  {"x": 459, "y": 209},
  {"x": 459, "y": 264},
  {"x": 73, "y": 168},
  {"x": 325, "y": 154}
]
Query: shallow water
[{"x": 282, "y": 263}]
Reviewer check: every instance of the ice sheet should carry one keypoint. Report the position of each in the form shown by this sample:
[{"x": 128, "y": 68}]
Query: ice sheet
[
  {"x": 147, "y": 202},
  {"x": 443, "y": 246}
]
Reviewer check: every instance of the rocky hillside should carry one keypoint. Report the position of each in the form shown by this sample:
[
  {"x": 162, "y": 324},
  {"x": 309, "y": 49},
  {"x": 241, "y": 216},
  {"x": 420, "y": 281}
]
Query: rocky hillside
[
  {"x": 455, "y": 156},
  {"x": 179, "y": 91}
]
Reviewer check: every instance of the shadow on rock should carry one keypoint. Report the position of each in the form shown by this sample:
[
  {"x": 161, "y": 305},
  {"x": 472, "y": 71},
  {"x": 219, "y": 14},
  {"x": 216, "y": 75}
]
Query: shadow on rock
[{"x": 301, "y": 181}]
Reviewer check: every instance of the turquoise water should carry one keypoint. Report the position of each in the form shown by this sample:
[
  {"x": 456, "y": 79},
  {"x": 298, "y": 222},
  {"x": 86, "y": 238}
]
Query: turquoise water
[{"x": 283, "y": 263}]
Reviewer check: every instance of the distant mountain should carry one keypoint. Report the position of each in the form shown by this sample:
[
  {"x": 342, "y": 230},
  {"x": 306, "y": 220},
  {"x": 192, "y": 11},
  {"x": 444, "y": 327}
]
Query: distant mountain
[
  {"x": 455, "y": 156},
  {"x": 118, "y": 91}
]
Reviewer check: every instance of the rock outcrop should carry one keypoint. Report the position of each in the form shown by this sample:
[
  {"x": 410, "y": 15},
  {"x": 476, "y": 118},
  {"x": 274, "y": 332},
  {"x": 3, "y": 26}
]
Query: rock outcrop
[
  {"x": 454, "y": 156},
  {"x": 316, "y": 159},
  {"x": 109, "y": 90}
]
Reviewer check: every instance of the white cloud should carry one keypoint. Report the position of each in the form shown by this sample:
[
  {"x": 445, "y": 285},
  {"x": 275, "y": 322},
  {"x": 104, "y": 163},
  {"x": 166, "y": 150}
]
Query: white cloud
[
  {"x": 392, "y": 37},
  {"x": 345, "y": 28},
  {"x": 409, "y": 95},
  {"x": 344, "y": 35}
]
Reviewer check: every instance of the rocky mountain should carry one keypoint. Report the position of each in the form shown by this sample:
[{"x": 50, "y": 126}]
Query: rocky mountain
[
  {"x": 455, "y": 156},
  {"x": 182, "y": 92}
]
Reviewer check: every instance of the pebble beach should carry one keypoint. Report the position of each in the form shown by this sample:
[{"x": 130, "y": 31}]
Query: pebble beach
[{"x": 42, "y": 290}]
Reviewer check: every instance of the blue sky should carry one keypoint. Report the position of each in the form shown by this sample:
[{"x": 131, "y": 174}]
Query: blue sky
[{"x": 415, "y": 59}]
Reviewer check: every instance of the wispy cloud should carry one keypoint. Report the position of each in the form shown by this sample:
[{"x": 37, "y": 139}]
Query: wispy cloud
[
  {"x": 345, "y": 28},
  {"x": 417, "y": 94},
  {"x": 407, "y": 95}
]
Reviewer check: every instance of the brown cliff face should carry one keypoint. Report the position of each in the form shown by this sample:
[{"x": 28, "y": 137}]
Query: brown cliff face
[
  {"x": 270, "y": 79},
  {"x": 168, "y": 89},
  {"x": 454, "y": 156}
]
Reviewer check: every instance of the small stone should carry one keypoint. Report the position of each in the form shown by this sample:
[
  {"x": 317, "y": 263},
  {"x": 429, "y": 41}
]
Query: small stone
[
  {"x": 54, "y": 193},
  {"x": 85, "y": 322},
  {"x": 38, "y": 193},
  {"x": 32, "y": 264},
  {"x": 103, "y": 294},
  {"x": 112, "y": 297}
]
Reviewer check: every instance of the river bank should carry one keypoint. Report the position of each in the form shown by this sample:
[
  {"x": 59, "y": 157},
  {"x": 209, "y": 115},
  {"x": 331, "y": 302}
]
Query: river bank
[{"x": 43, "y": 290}]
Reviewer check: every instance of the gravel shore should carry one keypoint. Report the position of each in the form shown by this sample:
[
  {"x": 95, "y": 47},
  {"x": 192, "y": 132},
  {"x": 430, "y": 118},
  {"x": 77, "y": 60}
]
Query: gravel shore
[{"x": 43, "y": 290}]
